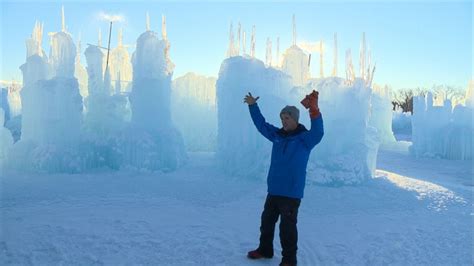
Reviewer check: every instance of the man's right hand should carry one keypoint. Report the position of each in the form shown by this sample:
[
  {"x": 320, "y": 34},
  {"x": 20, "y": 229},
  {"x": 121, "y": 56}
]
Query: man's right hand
[
  {"x": 250, "y": 100},
  {"x": 311, "y": 102}
]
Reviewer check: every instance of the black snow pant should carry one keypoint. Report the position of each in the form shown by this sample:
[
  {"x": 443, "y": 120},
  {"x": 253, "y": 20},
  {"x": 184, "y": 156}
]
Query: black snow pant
[{"x": 287, "y": 209}]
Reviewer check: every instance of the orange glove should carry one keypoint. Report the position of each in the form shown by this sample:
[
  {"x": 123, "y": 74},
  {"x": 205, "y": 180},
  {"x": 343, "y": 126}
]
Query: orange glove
[{"x": 311, "y": 102}]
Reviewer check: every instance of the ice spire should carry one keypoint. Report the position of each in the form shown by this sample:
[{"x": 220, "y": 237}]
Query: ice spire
[
  {"x": 362, "y": 57},
  {"x": 78, "y": 50},
  {"x": 350, "y": 76},
  {"x": 238, "y": 40},
  {"x": 99, "y": 41},
  {"x": 244, "y": 42},
  {"x": 369, "y": 59},
  {"x": 294, "y": 30},
  {"x": 334, "y": 70},
  {"x": 147, "y": 22},
  {"x": 371, "y": 78},
  {"x": 278, "y": 52},
  {"x": 230, "y": 51},
  {"x": 120, "y": 37},
  {"x": 63, "y": 20},
  {"x": 252, "y": 42},
  {"x": 321, "y": 64},
  {"x": 34, "y": 44},
  {"x": 268, "y": 56},
  {"x": 164, "y": 35}
]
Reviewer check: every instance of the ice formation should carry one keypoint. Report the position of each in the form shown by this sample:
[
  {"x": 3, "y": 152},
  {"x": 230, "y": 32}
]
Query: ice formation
[
  {"x": 154, "y": 141},
  {"x": 348, "y": 152},
  {"x": 6, "y": 140},
  {"x": 120, "y": 66},
  {"x": 442, "y": 131},
  {"x": 295, "y": 64},
  {"x": 194, "y": 111},
  {"x": 80, "y": 72},
  {"x": 381, "y": 113},
  {"x": 240, "y": 149},
  {"x": 51, "y": 107}
]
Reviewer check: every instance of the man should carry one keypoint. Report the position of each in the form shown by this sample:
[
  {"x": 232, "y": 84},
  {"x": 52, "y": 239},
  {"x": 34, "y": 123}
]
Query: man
[{"x": 292, "y": 145}]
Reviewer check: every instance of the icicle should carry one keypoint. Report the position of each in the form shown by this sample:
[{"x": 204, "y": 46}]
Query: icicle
[
  {"x": 147, "y": 22},
  {"x": 371, "y": 76},
  {"x": 244, "y": 40},
  {"x": 321, "y": 64},
  {"x": 78, "y": 49},
  {"x": 230, "y": 51},
  {"x": 237, "y": 48},
  {"x": 350, "y": 76},
  {"x": 278, "y": 52},
  {"x": 63, "y": 20},
  {"x": 120, "y": 37},
  {"x": 164, "y": 35},
  {"x": 369, "y": 66},
  {"x": 334, "y": 70},
  {"x": 362, "y": 56},
  {"x": 99, "y": 42},
  {"x": 252, "y": 43},
  {"x": 294, "y": 30},
  {"x": 268, "y": 56}
]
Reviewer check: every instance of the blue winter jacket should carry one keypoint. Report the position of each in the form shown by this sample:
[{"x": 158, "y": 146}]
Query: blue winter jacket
[{"x": 290, "y": 154}]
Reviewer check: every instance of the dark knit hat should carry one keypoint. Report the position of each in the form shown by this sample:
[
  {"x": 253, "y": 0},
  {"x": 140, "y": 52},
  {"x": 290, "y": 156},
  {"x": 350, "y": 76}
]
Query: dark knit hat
[{"x": 292, "y": 111}]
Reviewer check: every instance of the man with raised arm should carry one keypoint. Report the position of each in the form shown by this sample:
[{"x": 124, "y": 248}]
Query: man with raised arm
[{"x": 292, "y": 145}]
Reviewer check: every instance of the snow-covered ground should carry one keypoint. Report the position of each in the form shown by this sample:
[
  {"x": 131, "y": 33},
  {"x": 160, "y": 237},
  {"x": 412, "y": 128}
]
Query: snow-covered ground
[{"x": 416, "y": 212}]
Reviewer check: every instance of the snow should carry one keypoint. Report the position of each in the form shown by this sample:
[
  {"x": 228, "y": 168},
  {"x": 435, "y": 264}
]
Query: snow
[{"x": 415, "y": 212}]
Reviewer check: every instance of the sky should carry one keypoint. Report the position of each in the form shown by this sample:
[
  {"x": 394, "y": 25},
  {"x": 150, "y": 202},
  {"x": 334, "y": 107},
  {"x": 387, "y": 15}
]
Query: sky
[{"x": 414, "y": 44}]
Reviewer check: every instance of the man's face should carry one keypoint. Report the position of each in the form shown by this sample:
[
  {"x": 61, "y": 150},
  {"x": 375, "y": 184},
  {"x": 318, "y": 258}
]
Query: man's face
[{"x": 288, "y": 123}]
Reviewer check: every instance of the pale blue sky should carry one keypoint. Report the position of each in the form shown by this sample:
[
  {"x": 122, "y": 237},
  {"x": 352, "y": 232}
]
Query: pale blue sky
[{"x": 414, "y": 43}]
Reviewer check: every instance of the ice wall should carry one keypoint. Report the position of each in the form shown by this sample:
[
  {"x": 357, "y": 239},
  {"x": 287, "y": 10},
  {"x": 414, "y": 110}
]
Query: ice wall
[
  {"x": 63, "y": 55},
  {"x": 51, "y": 107},
  {"x": 348, "y": 152},
  {"x": 6, "y": 140},
  {"x": 159, "y": 144},
  {"x": 121, "y": 67},
  {"x": 51, "y": 110},
  {"x": 295, "y": 64},
  {"x": 401, "y": 125},
  {"x": 381, "y": 113},
  {"x": 194, "y": 111},
  {"x": 80, "y": 73},
  {"x": 441, "y": 131},
  {"x": 14, "y": 101},
  {"x": 241, "y": 150},
  {"x": 106, "y": 111},
  {"x": 151, "y": 90},
  {"x": 346, "y": 155},
  {"x": 94, "y": 58}
]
